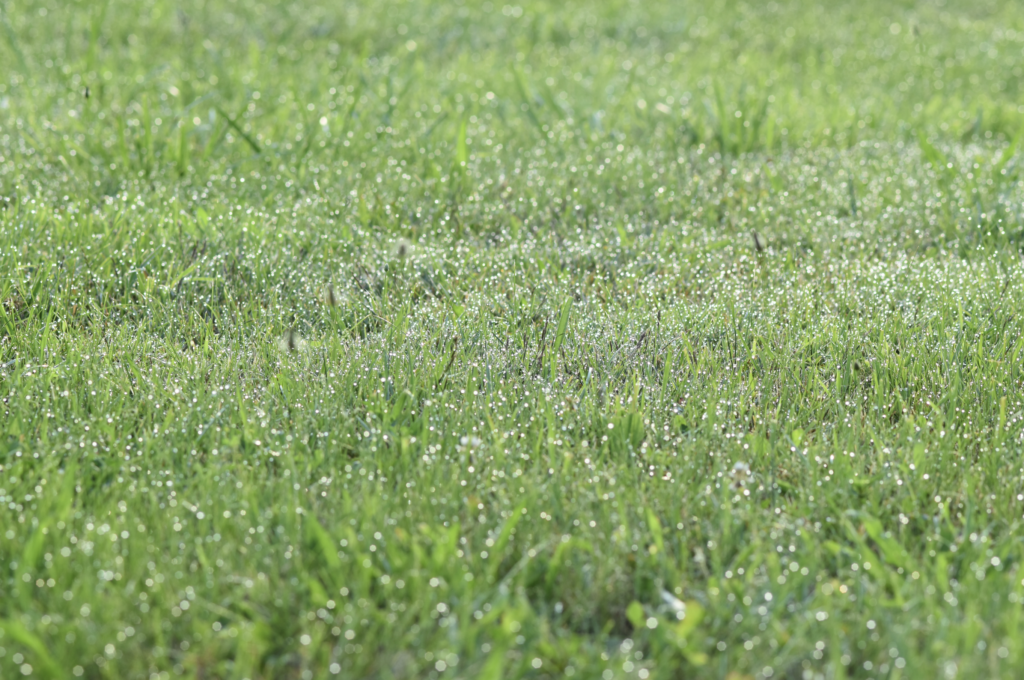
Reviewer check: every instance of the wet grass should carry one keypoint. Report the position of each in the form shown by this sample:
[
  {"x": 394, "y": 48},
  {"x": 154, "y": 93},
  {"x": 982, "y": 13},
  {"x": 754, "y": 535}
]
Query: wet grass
[{"x": 458, "y": 340}]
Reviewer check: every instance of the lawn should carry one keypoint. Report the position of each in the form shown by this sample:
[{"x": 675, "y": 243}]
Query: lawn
[{"x": 618, "y": 339}]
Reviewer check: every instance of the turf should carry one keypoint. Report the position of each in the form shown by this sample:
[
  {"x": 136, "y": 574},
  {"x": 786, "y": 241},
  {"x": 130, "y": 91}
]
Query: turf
[{"x": 458, "y": 340}]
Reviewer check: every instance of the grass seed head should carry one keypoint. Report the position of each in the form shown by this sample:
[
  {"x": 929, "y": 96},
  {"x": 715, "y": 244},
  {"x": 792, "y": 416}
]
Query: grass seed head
[
  {"x": 291, "y": 341},
  {"x": 759, "y": 244},
  {"x": 330, "y": 298},
  {"x": 740, "y": 474},
  {"x": 402, "y": 249}
]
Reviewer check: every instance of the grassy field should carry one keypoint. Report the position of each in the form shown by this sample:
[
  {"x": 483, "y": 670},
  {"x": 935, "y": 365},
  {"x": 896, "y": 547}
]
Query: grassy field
[{"x": 475, "y": 340}]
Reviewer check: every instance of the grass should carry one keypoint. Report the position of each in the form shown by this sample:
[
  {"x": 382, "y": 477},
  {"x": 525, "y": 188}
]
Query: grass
[{"x": 467, "y": 340}]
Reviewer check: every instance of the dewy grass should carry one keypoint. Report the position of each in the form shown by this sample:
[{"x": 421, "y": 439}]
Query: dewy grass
[{"x": 480, "y": 340}]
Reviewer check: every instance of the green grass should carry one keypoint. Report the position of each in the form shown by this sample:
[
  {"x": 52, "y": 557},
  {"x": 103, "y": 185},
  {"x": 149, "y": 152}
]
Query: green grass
[{"x": 457, "y": 340}]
